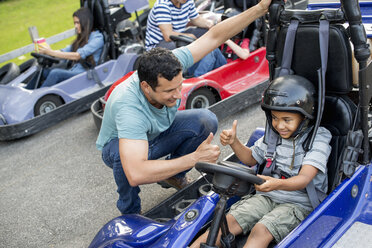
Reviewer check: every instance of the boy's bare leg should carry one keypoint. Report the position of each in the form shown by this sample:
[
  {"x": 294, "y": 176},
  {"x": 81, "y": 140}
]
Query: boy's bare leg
[
  {"x": 259, "y": 237},
  {"x": 234, "y": 228}
]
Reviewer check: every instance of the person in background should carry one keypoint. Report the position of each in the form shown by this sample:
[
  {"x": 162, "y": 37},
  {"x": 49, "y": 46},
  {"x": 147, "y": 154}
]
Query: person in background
[
  {"x": 171, "y": 17},
  {"x": 232, "y": 49},
  {"x": 88, "y": 46}
]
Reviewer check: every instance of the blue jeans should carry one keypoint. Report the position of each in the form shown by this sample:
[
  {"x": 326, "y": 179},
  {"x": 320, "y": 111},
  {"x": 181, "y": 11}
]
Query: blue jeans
[
  {"x": 189, "y": 129},
  {"x": 210, "y": 62},
  {"x": 52, "y": 77}
]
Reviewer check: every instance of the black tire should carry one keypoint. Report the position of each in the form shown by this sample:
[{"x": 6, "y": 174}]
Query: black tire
[
  {"x": 8, "y": 72},
  {"x": 46, "y": 104},
  {"x": 26, "y": 65},
  {"x": 201, "y": 98}
]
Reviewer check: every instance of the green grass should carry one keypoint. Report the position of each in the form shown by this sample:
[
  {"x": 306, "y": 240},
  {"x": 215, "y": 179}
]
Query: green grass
[{"x": 50, "y": 17}]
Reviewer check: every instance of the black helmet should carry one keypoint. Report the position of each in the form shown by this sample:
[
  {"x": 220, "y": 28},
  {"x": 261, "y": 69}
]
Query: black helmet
[{"x": 290, "y": 93}]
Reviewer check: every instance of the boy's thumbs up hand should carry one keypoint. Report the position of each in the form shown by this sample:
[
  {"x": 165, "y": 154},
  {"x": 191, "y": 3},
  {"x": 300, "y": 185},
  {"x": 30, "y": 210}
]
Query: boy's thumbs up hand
[
  {"x": 206, "y": 152},
  {"x": 228, "y": 136}
]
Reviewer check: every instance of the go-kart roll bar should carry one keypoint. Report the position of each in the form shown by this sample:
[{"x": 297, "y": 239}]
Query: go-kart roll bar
[
  {"x": 352, "y": 12},
  {"x": 106, "y": 13},
  {"x": 275, "y": 9}
]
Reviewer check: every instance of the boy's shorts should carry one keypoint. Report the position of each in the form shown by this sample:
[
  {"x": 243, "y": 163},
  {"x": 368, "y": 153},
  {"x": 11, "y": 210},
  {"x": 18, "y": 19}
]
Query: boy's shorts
[{"x": 279, "y": 219}]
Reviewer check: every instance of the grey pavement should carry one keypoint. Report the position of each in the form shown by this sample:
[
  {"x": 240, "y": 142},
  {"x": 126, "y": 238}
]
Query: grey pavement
[{"x": 55, "y": 191}]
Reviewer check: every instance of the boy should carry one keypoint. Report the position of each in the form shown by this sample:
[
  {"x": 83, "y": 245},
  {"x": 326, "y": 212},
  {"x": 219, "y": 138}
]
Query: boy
[{"x": 279, "y": 205}]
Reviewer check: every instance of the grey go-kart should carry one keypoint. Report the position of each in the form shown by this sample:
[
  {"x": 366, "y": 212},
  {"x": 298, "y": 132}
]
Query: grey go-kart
[{"x": 24, "y": 112}]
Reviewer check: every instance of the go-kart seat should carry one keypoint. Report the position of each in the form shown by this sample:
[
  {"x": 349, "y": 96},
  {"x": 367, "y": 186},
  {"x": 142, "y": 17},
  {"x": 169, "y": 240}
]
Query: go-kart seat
[
  {"x": 339, "y": 110},
  {"x": 101, "y": 23}
]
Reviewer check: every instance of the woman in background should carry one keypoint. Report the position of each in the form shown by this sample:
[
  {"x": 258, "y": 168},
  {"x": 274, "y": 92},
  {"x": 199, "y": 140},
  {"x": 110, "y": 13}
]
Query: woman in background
[{"x": 88, "y": 45}]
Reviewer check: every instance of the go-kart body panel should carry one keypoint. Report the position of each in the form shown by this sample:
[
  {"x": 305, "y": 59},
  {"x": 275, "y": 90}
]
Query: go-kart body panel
[
  {"x": 140, "y": 231},
  {"x": 17, "y": 103},
  {"x": 349, "y": 203},
  {"x": 231, "y": 78}
]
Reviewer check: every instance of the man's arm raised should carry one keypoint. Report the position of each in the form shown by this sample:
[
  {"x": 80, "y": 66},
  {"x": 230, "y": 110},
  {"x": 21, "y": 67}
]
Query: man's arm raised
[
  {"x": 139, "y": 170},
  {"x": 225, "y": 30}
]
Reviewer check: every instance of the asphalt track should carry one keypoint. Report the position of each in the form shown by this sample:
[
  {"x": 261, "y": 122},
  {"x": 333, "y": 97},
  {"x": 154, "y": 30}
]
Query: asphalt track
[{"x": 55, "y": 191}]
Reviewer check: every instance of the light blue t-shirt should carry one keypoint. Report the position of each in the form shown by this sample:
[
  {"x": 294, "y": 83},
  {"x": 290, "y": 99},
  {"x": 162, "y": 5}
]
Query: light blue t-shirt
[{"x": 129, "y": 115}]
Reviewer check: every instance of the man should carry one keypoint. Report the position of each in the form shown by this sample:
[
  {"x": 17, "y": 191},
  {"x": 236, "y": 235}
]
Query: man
[
  {"x": 170, "y": 17},
  {"x": 141, "y": 122}
]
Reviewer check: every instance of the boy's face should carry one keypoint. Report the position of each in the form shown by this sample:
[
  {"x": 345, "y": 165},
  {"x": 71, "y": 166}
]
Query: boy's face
[{"x": 286, "y": 123}]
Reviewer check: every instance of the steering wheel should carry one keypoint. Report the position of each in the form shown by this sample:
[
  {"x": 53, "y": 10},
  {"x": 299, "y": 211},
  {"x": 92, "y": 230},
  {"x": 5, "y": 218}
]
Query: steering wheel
[
  {"x": 182, "y": 40},
  {"x": 45, "y": 60},
  {"x": 235, "y": 170}
]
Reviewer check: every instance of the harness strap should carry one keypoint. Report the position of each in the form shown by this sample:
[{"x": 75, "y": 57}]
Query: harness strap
[
  {"x": 315, "y": 195},
  {"x": 91, "y": 72},
  {"x": 272, "y": 141},
  {"x": 285, "y": 68}
]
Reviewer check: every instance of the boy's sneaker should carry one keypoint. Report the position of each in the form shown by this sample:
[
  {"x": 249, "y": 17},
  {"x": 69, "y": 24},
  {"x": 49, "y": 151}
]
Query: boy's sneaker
[{"x": 175, "y": 182}]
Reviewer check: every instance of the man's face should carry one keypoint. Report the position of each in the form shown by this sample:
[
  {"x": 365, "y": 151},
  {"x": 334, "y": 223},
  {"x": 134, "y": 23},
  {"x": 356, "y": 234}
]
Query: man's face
[
  {"x": 285, "y": 123},
  {"x": 166, "y": 93}
]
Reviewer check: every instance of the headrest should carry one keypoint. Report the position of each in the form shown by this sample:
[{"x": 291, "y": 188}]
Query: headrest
[
  {"x": 312, "y": 16},
  {"x": 98, "y": 14},
  {"x": 306, "y": 56}
]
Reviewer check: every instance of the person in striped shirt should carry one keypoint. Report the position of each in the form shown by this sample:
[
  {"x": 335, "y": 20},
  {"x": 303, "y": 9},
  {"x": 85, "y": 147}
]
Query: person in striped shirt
[{"x": 170, "y": 17}]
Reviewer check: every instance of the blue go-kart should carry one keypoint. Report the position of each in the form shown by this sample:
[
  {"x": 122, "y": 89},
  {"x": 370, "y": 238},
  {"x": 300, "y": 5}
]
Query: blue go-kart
[{"x": 344, "y": 218}]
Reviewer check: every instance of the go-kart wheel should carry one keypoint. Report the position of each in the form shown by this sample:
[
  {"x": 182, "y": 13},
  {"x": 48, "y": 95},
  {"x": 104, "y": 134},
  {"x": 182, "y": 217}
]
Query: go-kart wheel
[
  {"x": 233, "y": 169},
  {"x": 230, "y": 178},
  {"x": 181, "y": 40},
  {"x": 8, "y": 72},
  {"x": 46, "y": 104},
  {"x": 201, "y": 98},
  {"x": 45, "y": 60}
]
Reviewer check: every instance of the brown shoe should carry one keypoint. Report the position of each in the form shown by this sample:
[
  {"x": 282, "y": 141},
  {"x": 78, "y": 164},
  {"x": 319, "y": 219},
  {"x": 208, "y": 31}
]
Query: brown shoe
[{"x": 175, "y": 182}]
